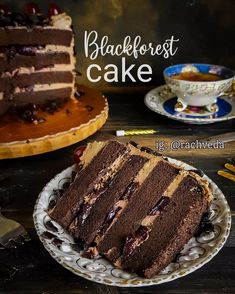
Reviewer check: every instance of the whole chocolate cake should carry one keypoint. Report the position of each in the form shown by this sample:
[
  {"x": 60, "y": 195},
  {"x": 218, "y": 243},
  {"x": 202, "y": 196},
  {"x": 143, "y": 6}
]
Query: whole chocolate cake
[
  {"x": 132, "y": 206},
  {"x": 37, "y": 62}
]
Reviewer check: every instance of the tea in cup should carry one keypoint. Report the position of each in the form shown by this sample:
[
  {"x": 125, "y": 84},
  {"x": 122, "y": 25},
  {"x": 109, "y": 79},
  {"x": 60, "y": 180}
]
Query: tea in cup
[{"x": 198, "y": 84}]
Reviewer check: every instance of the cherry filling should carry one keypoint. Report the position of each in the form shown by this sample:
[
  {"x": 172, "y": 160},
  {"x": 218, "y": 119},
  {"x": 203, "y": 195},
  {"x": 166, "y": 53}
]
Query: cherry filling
[
  {"x": 129, "y": 190},
  {"x": 53, "y": 10},
  {"x": 78, "y": 153},
  {"x": 142, "y": 233},
  {"x": 108, "y": 220},
  {"x": 161, "y": 204},
  {"x": 86, "y": 208},
  {"x": 12, "y": 50},
  {"x": 135, "y": 240},
  {"x": 31, "y": 8}
]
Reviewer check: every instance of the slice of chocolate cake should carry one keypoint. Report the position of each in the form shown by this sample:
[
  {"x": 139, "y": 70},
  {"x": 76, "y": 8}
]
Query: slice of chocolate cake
[
  {"x": 132, "y": 206},
  {"x": 37, "y": 62}
]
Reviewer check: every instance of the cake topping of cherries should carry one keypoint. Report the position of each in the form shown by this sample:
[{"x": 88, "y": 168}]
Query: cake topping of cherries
[
  {"x": 31, "y": 8},
  {"x": 53, "y": 10},
  {"x": 30, "y": 16},
  {"x": 78, "y": 153}
]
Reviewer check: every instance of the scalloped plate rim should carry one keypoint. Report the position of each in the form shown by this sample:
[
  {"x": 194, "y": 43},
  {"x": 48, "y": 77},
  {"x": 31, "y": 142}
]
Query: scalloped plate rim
[{"x": 141, "y": 283}]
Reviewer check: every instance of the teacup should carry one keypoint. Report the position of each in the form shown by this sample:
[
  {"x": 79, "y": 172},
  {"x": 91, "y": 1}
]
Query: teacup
[{"x": 197, "y": 84}]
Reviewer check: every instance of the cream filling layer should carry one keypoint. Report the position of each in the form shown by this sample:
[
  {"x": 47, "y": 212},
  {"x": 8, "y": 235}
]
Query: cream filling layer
[
  {"x": 55, "y": 49},
  {"x": 92, "y": 149},
  {"x": 109, "y": 174},
  {"x": 49, "y": 49},
  {"x": 149, "y": 219},
  {"x": 140, "y": 178},
  {"x": 37, "y": 27},
  {"x": 44, "y": 87},
  {"x": 31, "y": 70}
]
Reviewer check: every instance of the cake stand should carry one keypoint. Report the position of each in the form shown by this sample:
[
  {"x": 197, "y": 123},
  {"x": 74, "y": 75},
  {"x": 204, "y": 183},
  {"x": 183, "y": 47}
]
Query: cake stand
[{"x": 75, "y": 121}]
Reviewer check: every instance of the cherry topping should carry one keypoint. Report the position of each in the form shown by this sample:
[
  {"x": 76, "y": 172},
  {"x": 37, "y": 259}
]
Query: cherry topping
[
  {"x": 31, "y": 8},
  {"x": 78, "y": 153},
  {"x": 4, "y": 9},
  {"x": 53, "y": 10}
]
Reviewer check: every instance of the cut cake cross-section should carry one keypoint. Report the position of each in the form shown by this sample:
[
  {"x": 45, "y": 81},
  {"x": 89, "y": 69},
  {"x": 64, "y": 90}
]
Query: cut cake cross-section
[{"x": 132, "y": 206}]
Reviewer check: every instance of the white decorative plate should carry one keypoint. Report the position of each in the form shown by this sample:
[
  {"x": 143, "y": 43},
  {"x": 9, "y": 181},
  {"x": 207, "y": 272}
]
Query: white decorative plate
[
  {"x": 162, "y": 101},
  {"x": 61, "y": 245}
]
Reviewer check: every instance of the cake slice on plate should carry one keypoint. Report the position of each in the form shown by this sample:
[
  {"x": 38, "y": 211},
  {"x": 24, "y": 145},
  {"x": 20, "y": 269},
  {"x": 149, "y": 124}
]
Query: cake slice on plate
[{"x": 132, "y": 206}]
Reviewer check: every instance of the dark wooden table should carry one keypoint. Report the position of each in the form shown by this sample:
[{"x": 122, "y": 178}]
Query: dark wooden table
[{"x": 30, "y": 269}]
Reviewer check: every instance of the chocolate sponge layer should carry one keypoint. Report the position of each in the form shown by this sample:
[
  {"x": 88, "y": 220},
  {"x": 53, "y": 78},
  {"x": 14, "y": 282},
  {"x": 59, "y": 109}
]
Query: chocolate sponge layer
[
  {"x": 69, "y": 205},
  {"x": 170, "y": 231},
  {"x": 142, "y": 200},
  {"x": 138, "y": 212},
  {"x": 35, "y": 78},
  {"x": 42, "y": 36},
  {"x": 87, "y": 225},
  {"x": 39, "y": 97},
  {"x": 38, "y": 61}
]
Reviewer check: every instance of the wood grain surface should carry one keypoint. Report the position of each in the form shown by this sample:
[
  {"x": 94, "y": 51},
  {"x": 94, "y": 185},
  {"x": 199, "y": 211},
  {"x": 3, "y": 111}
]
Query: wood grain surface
[{"x": 30, "y": 269}]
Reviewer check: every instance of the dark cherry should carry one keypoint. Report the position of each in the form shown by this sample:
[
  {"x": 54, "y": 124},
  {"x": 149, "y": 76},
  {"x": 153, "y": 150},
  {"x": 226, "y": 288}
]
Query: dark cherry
[
  {"x": 133, "y": 240},
  {"x": 31, "y": 8},
  {"x": 78, "y": 153},
  {"x": 53, "y": 10},
  {"x": 4, "y": 9}
]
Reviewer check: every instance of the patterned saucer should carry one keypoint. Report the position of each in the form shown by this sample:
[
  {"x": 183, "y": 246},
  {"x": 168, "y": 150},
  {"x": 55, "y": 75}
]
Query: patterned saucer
[
  {"x": 162, "y": 101},
  {"x": 197, "y": 252}
]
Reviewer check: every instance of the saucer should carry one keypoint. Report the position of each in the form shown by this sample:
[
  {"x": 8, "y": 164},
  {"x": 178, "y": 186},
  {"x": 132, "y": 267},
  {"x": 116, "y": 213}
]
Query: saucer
[{"x": 162, "y": 100}]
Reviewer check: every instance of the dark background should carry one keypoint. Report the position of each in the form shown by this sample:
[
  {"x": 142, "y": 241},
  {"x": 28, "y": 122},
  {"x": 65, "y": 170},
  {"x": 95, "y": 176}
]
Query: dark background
[
  {"x": 206, "y": 32},
  {"x": 205, "y": 29}
]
